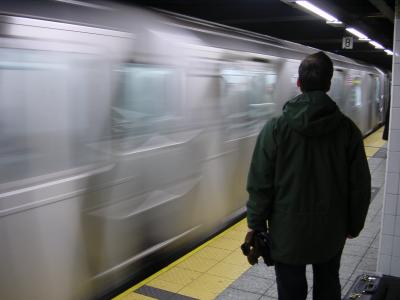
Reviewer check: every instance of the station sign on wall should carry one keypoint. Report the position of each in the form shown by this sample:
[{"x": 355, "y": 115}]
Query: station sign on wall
[{"x": 347, "y": 42}]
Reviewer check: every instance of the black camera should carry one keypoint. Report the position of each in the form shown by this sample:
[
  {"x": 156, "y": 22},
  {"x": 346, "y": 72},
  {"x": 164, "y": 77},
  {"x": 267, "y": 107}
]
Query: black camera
[{"x": 257, "y": 244}]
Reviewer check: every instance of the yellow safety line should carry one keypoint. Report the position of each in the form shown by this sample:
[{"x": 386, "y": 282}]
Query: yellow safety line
[
  {"x": 173, "y": 264},
  {"x": 373, "y": 143}
]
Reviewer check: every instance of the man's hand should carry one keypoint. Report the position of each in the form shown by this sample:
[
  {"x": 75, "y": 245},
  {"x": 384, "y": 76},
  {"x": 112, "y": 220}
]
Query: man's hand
[
  {"x": 257, "y": 244},
  {"x": 249, "y": 248},
  {"x": 249, "y": 239}
]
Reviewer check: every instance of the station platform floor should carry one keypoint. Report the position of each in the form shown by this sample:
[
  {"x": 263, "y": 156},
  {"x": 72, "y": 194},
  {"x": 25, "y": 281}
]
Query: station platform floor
[{"x": 218, "y": 270}]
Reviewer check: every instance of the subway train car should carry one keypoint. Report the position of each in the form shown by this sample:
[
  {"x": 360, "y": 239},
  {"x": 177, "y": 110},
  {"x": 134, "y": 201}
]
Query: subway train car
[{"x": 127, "y": 134}]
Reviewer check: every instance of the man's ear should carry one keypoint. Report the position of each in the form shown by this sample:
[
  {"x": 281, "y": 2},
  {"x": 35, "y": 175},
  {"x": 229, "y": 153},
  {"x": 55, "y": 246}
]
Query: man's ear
[{"x": 298, "y": 83}]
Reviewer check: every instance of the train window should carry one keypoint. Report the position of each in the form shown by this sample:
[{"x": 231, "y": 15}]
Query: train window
[
  {"x": 247, "y": 100},
  {"x": 45, "y": 112},
  {"x": 263, "y": 103},
  {"x": 148, "y": 99}
]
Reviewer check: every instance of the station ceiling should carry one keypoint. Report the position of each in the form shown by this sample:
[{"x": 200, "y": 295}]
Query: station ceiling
[{"x": 287, "y": 20}]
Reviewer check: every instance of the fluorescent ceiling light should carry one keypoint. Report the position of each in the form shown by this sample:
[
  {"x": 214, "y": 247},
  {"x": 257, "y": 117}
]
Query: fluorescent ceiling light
[
  {"x": 358, "y": 34},
  {"x": 388, "y": 52},
  {"x": 318, "y": 11},
  {"x": 376, "y": 45}
]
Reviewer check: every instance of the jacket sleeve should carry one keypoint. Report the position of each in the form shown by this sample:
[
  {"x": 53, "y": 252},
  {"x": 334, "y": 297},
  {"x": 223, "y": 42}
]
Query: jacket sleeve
[
  {"x": 359, "y": 183},
  {"x": 260, "y": 181}
]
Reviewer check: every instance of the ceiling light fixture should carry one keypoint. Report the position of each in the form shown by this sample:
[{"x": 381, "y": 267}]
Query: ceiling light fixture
[
  {"x": 388, "y": 52},
  {"x": 376, "y": 45},
  {"x": 361, "y": 36},
  {"x": 316, "y": 10}
]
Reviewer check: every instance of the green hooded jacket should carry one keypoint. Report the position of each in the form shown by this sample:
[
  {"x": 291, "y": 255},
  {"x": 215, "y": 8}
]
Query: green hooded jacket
[{"x": 309, "y": 178}]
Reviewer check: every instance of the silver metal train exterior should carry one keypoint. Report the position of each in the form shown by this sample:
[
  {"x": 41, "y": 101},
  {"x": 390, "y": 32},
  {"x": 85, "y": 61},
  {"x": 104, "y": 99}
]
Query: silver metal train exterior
[{"x": 127, "y": 133}]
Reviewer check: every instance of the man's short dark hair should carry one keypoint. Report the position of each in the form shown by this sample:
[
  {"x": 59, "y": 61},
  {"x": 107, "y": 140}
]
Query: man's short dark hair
[{"x": 315, "y": 72}]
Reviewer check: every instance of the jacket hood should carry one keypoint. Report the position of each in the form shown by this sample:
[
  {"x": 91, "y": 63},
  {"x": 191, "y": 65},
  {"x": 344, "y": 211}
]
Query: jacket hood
[{"x": 312, "y": 114}]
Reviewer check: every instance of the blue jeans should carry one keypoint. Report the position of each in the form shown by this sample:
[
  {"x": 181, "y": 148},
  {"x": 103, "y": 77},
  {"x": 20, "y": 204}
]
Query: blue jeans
[{"x": 292, "y": 283}]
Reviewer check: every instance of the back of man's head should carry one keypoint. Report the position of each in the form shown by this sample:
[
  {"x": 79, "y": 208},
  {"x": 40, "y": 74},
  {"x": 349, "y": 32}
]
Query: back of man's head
[{"x": 315, "y": 73}]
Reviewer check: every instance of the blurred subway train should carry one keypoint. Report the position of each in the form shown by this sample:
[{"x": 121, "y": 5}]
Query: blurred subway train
[{"x": 127, "y": 134}]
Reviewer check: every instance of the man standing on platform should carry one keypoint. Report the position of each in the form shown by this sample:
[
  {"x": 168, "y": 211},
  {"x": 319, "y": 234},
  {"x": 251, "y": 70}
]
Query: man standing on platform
[{"x": 309, "y": 185}]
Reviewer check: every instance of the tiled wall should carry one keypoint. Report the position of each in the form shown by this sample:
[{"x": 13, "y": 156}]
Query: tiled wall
[{"x": 389, "y": 250}]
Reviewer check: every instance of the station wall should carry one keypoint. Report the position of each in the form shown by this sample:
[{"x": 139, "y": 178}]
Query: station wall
[{"x": 389, "y": 250}]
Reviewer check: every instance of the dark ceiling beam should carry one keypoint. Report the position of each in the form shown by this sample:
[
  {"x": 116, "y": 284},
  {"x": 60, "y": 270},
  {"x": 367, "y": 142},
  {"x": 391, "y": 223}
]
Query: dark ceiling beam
[
  {"x": 360, "y": 51},
  {"x": 374, "y": 16},
  {"x": 266, "y": 20},
  {"x": 327, "y": 41},
  {"x": 318, "y": 41},
  {"x": 384, "y": 9}
]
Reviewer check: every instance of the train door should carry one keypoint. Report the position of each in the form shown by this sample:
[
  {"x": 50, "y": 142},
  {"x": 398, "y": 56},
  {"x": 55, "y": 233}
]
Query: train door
[
  {"x": 158, "y": 153},
  {"x": 354, "y": 101},
  {"x": 381, "y": 105},
  {"x": 367, "y": 108},
  {"x": 336, "y": 91},
  {"x": 205, "y": 112},
  {"x": 286, "y": 85},
  {"x": 248, "y": 101},
  {"x": 54, "y": 103},
  {"x": 387, "y": 84},
  {"x": 374, "y": 100}
]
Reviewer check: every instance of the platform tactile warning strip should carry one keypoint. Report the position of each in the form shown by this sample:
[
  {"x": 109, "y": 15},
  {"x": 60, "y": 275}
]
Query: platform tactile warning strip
[{"x": 161, "y": 294}]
